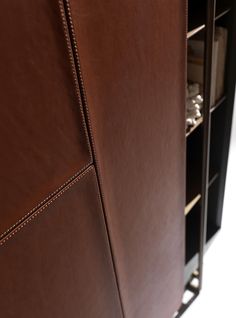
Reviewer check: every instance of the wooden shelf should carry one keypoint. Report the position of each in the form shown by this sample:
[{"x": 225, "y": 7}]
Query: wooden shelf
[
  {"x": 199, "y": 122},
  {"x": 218, "y": 104},
  {"x": 195, "y": 31},
  {"x": 220, "y": 15},
  {"x": 196, "y": 198},
  {"x": 198, "y": 24},
  {"x": 191, "y": 204},
  {"x": 212, "y": 179}
]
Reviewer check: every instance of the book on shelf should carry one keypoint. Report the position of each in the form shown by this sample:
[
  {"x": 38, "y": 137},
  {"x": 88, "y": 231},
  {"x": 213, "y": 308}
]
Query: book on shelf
[
  {"x": 196, "y": 63},
  {"x": 221, "y": 35},
  {"x": 215, "y": 54}
]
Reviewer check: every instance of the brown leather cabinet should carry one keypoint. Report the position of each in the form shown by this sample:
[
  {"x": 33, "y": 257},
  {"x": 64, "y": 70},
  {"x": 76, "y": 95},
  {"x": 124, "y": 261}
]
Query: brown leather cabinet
[{"x": 92, "y": 178}]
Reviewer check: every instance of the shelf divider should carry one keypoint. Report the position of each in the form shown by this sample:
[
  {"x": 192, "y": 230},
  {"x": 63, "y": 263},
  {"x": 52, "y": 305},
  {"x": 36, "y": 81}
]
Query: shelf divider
[
  {"x": 208, "y": 57},
  {"x": 218, "y": 104},
  {"x": 202, "y": 26}
]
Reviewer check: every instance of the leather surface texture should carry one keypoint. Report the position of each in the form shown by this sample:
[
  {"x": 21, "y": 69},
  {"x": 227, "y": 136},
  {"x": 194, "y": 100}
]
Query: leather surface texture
[
  {"x": 43, "y": 137},
  {"x": 58, "y": 263},
  {"x": 131, "y": 56}
]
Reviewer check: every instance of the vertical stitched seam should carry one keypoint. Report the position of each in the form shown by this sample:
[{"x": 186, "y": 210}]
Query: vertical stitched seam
[
  {"x": 76, "y": 84},
  {"x": 74, "y": 73},
  {"x": 97, "y": 171}
]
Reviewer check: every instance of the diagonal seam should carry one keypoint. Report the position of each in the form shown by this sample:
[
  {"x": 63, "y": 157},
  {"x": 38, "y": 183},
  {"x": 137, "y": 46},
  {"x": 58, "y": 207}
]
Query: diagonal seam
[
  {"x": 44, "y": 206},
  {"x": 67, "y": 13},
  {"x": 28, "y": 214}
]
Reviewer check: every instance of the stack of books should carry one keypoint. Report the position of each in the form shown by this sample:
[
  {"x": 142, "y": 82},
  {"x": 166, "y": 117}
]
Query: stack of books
[{"x": 196, "y": 63}]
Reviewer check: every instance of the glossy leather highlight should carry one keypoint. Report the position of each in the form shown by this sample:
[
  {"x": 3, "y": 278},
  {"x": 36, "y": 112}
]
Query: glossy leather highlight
[
  {"x": 42, "y": 135},
  {"x": 132, "y": 59},
  {"x": 59, "y": 264}
]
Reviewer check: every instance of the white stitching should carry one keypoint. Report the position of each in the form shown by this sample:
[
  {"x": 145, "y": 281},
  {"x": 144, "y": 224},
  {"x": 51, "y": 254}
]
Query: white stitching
[
  {"x": 46, "y": 205},
  {"x": 83, "y": 91},
  {"x": 42, "y": 202},
  {"x": 98, "y": 176},
  {"x": 74, "y": 42},
  {"x": 81, "y": 81},
  {"x": 71, "y": 59}
]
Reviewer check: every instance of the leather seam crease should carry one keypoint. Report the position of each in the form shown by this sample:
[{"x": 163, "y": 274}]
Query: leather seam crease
[
  {"x": 44, "y": 201},
  {"x": 46, "y": 205},
  {"x": 90, "y": 130},
  {"x": 73, "y": 68},
  {"x": 76, "y": 87}
]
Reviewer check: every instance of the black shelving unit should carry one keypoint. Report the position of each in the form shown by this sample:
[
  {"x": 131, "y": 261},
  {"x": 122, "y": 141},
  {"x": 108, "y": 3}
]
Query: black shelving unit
[{"x": 207, "y": 143}]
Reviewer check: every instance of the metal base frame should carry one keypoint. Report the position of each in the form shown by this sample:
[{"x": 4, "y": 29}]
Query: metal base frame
[{"x": 193, "y": 290}]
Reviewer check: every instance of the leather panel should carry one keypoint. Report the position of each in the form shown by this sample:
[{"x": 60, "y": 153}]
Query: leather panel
[
  {"x": 59, "y": 264},
  {"x": 42, "y": 135},
  {"x": 132, "y": 59}
]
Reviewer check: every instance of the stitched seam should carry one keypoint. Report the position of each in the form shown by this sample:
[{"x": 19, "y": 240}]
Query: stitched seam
[
  {"x": 83, "y": 91},
  {"x": 38, "y": 212},
  {"x": 76, "y": 86},
  {"x": 79, "y": 73},
  {"x": 98, "y": 176},
  {"x": 42, "y": 202},
  {"x": 74, "y": 74}
]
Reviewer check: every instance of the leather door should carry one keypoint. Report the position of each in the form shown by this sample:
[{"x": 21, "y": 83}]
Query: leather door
[
  {"x": 55, "y": 259},
  {"x": 58, "y": 263},
  {"x": 131, "y": 61},
  {"x": 43, "y": 138}
]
